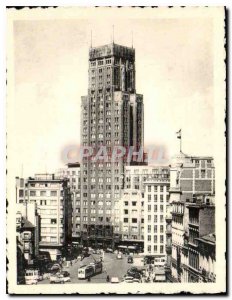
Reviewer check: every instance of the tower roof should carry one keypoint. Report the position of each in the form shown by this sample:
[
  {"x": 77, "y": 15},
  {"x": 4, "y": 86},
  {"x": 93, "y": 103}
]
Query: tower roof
[{"x": 111, "y": 49}]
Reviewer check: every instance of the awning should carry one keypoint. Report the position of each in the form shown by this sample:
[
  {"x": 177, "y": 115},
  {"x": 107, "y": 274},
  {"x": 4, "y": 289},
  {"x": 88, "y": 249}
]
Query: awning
[
  {"x": 75, "y": 243},
  {"x": 132, "y": 247},
  {"x": 123, "y": 247}
]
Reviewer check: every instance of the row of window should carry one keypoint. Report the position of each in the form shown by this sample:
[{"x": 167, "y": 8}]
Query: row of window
[
  {"x": 155, "y": 227},
  {"x": 155, "y": 238},
  {"x": 160, "y": 197},
  {"x": 155, "y": 247},
  {"x": 156, "y": 188},
  {"x": 93, "y": 219},
  {"x": 45, "y": 193},
  {"x": 155, "y": 209},
  {"x": 100, "y": 62}
]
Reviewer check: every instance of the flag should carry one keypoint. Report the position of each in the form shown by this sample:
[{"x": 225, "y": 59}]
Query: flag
[{"x": 178, "y": 134}]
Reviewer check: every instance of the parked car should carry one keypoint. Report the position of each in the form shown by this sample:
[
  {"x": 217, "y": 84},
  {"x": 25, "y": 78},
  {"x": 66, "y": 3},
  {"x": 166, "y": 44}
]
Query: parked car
[
  {"x": 55, "y": 267},
  {"x": 65, "y": 276},
  {"x": 128, "y": 279},
  {"x": 135, "y": 280},
  {"x": 56, "y": 278},
  {"x": 114, "y": 280},
  {"x": 119, "y": 256}
]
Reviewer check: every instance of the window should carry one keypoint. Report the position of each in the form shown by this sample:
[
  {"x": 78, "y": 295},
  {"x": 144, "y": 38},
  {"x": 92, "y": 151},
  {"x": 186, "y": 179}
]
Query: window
[
  {"x": 125, "y": 220},
  {"x": 155, "y": 208},
  {"x": 149, "y": 197},
  {"x": 149, "y": 208},
  {"x": 134, "y": 220},
  {"x": 53, "y": 193},
  {"x": 155, "y": 238},
  {"x": 161, "y": 228},
  {"x": 53, "y": 221},
  {"x": 155, "y": 249},
  {"x": 161, "y": 249},
  {"x": 42, "y": 193},
  {"x": 134, "y": 203},
  {"x": 155, "y": 198},
  {"x": 32, "y": 193},
  {"x": 43, "y": 202},
  {"x": 21, "y": 193},
  {"x": 202, "y": 173},
  {"x": 161, "y": 189},
  {"x": 155, "y": 228},
  {"x": 161, "y": 239},
  {"x": 126, "y": 211},
  {"x": 149, "y": 188},
  {"x": 149, "y": 238}
]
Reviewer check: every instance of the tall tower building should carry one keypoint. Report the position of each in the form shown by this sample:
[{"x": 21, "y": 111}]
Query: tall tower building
[{"x": 112, "y": 115}]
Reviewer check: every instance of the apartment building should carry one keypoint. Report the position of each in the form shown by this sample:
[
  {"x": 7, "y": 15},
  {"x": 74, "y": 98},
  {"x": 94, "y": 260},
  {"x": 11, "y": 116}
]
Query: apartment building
[
  {"x": 156, "y": 198},
  {"x": 52, "y": 197}
]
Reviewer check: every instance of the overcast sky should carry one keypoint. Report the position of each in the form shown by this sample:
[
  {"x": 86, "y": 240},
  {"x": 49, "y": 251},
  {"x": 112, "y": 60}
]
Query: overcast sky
[{"x": 174, "y": 72}]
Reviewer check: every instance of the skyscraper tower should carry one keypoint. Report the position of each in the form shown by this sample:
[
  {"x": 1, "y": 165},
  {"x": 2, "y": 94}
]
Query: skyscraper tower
[{"x": 112, "y": 115}]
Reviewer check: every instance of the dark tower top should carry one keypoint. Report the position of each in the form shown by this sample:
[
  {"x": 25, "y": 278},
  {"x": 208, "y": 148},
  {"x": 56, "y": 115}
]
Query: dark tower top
[{"x": 112, "y": 67}]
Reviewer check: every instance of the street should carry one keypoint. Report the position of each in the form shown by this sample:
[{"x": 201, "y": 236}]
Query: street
[{"x": 111, "y": 266}]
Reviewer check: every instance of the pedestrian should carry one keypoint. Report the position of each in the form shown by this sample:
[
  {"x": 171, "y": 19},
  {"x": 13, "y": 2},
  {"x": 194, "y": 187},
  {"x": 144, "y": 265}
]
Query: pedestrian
[{"x": 107, "y": 278}]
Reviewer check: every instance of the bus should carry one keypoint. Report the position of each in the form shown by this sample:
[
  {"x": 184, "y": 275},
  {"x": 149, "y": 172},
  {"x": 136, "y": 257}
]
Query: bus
[
  {"x": 85, "y": 272},
  {"x": 97, "y": 266},
  {"x": 32, "y": 276}
]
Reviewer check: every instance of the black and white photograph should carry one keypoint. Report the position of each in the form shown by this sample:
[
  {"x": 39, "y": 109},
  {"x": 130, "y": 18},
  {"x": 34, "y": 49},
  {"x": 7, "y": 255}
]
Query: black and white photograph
[{"x": 116, "y": 150}]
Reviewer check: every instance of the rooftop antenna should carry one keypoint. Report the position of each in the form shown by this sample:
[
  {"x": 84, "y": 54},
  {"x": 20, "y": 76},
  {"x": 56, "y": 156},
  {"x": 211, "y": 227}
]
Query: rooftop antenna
[{"x": 113, "y": 34}]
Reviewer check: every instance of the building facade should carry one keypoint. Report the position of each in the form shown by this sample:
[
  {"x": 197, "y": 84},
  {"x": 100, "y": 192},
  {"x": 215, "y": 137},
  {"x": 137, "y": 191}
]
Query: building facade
[
  {"x": 189, "y": 177},
  {"x": 201, "y": 223},
  {"x": 112, "y": 117},
  {"x": 129, "y": 219},
  {"x": 52, "y": 198},
  {"x": 72, "y": 173},
  {"x": 156, "y": 199}
]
